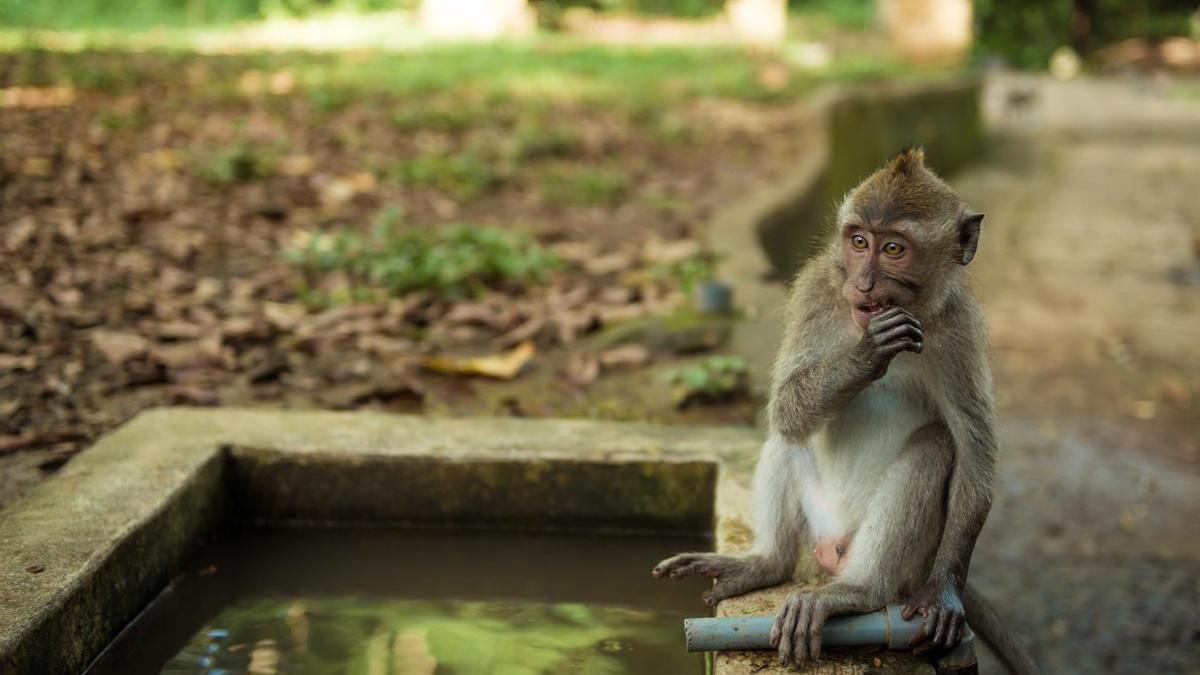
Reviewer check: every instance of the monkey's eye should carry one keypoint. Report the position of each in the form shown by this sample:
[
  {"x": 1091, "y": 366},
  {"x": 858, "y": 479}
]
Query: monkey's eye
[
  {"x": 893, "y": 249},
  {"x": 858, "y": 241}
]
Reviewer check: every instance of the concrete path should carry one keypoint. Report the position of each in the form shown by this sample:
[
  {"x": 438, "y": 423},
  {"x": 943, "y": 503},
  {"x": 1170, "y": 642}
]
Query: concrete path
[{"x": 1090, "y": 276}]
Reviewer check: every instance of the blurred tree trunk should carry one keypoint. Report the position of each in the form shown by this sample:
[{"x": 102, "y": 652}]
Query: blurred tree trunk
[
  {"x": 927, "y": 30},
  {"x": 758, "y": 22},
  {"x": 477, "y": 19}
]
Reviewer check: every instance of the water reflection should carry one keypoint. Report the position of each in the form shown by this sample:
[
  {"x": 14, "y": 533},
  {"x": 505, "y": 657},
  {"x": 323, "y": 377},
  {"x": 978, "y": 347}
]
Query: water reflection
[
  {"x": 424, "y": 637},
  {"x": 286, "y": 601}
]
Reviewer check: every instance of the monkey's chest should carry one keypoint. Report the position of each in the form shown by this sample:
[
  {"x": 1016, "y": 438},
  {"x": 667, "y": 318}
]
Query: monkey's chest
[{"x": 857, "y": 445}]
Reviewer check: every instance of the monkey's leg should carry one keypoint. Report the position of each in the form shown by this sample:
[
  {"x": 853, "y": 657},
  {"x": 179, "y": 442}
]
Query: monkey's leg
[
  {"x": 891, "y": 551},
  {"x": 779, "y": 525}
]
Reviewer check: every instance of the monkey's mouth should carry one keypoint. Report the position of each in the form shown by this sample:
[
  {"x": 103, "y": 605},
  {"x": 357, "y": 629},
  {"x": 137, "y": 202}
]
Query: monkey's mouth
[{"x": 872, "y": 308}]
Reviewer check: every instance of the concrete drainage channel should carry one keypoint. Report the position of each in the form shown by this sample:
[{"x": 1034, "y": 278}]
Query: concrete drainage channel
[{"x": 87, "y": 551}]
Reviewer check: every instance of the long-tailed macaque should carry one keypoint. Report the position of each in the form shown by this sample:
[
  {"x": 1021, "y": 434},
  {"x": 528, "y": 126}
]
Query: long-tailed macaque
[{"x": 882, "y": 439}]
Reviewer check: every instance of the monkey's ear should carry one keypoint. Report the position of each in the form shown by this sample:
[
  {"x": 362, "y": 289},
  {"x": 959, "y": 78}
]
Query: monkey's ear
[{"x": 968, "y": 236}]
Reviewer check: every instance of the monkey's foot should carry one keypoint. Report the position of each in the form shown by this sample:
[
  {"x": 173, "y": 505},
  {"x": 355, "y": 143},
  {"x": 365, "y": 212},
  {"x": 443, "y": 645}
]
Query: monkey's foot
[
  {"x": 831, "y": 553},
  {"x": 734, "y": 575}
]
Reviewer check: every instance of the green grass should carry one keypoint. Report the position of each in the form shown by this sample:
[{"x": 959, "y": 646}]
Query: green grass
[
  {"x": 581, "y": 186},
  {"x": 531, "y": 141},
  {"x": 132, "y": 15},
  {"x": 548, "y": 71},
  {"x": 237, "y": 162},
  {"x": 464, "y": 175},
  {"x": 716, "y": 377},
  {"x": 454, "y": 260}
]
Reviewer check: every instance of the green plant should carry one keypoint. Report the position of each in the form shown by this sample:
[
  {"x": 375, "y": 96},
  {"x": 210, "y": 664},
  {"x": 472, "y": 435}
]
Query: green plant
[
  {"x": 464, "y": 175},
  {"x": 453, "y": 260},
  {"x": 447, "y": 119},
  {"x": 240, "y": 161},
  {"x": 583, "y": 186},
  {"x": 532, "y": 141},
  {"x": 689, "y": 271},
  {"x": 1026, "y": 32},
  {"x": 715, "y": 378}
]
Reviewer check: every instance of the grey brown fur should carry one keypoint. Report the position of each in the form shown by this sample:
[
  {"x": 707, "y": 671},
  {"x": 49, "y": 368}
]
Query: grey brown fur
[{"x": 882, "y": 445}]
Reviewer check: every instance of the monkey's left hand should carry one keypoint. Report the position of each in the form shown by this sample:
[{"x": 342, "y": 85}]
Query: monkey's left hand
[{"x": 945, "y": 618}]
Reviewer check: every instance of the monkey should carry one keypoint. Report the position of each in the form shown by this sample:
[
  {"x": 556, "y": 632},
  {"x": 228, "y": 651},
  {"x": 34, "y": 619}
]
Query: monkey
[{"x": 881, "y": 443}]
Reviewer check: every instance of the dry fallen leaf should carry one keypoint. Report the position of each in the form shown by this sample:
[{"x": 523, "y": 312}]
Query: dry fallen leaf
[
  {"x": 583, "y": 369},
  {"x": 625, "y": 356},
  {"x": 119, "y": 346},
  {"x": 14, "y": 362},
  {"x": 504, "y": 366}
]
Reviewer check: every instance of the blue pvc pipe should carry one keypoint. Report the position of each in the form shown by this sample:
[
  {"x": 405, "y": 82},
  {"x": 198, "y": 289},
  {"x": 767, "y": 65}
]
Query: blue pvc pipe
[{"x": 884, "y": 628}]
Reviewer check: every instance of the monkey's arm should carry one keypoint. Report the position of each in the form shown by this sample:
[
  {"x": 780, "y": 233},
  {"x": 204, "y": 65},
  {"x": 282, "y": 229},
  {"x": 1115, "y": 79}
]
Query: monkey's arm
[
  {"x": 969, "y": 414},
  {"x": 811, "y": 384}
]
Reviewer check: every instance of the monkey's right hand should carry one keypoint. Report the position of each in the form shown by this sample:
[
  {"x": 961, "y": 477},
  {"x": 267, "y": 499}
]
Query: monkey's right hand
[{"x": 888, "y": 333}]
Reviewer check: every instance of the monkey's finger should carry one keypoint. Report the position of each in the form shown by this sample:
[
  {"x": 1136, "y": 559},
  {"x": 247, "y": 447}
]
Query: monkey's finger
[
  {"x": 889, "y": 319},
  {"x": 719, "y": 592},
  {"x": 699, "y": 566},
  {"x": 902, "y": 345},
  {"x": 815, "y": 626},
  {"x": 781, "y": 632},
  {"x": 944, "y": 624},
  {"x": 800, "y": 637},
  {"x": 955, "y": 635},
  {"x": 674, "y": 562},
  {"x": 927, "y": 626},
  {"x": 929, "y": 632},
  {"x": 903, "y": 330},
  {"x": 909, "y": 611}
]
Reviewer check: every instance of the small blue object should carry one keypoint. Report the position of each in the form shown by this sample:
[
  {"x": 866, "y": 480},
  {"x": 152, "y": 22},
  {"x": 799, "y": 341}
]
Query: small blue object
[
  {"x": 714, "y": 297},
  {"x": 218, "y": 633}
]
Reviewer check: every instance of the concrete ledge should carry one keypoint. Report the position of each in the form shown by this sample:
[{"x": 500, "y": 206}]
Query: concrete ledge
[{"x": 83, "y": 553}]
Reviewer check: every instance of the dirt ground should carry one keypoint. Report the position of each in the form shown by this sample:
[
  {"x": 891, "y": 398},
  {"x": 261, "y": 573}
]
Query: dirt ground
[
  {"x": 1090, "y": 276},
  {"x": 148, "y": 207}
]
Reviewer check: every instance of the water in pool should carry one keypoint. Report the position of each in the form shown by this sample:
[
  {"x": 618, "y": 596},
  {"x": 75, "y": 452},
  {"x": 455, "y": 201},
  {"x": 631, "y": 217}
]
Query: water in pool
[{"x": 283, "y": 601}]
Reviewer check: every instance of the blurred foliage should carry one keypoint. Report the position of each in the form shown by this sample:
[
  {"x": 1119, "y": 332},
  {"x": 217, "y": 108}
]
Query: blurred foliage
[
  {"x": 455, "y": 260},
  {"x": 690, "y": 271},
  {"x": 1026, "y": 32},
  {"x": 463, "y": 175},
  {"x": 715, "y": 378},
  {"x": 240, "y": 161},
  {"x": 847, "y": 12},
  {"x": 583, "y": 186},
  {"x": 685, "y": 8},
  {"x": 134, "y": 14}
]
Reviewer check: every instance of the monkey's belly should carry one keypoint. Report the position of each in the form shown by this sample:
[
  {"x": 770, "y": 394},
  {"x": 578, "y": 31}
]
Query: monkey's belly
[{"x": 852, "y": 453}]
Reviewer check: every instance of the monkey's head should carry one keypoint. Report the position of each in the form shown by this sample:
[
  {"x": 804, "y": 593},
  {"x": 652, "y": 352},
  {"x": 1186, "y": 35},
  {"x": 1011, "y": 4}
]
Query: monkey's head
[{"x": 903, "y": 237}]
